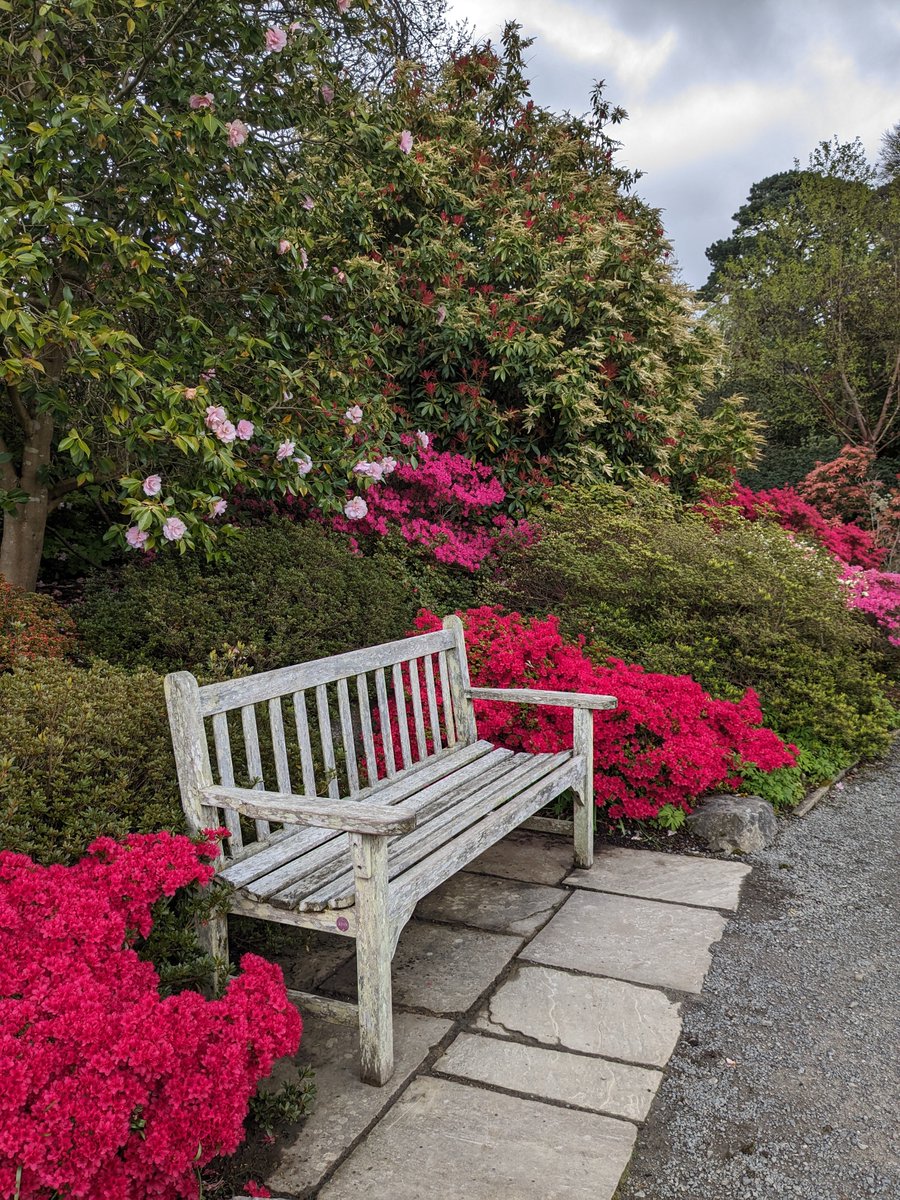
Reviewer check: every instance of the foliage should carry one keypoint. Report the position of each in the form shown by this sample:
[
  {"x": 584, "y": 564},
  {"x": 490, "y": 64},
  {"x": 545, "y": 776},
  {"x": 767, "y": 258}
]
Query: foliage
[
  {"x": 811, "y": 306},
  {"x": 31, "y": 627},
  {"x": 292, "y": 592},
  {"x": 285, "y": 1105},
  {"x": 781, "y": 464},
  {"x": 735, "y": 606},
  {"x": 665, "y": 744},
  {"x": 110, "y": 1089},
  {"x": 85, "y": 752}
]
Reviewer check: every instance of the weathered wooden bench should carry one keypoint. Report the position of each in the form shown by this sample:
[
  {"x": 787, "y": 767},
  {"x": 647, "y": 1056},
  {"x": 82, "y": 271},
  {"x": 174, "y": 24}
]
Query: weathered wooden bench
[{"x": 386, "y": 812}]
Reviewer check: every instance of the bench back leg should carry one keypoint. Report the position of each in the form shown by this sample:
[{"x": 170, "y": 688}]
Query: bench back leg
[
  {"x": 374, "y": 950},
  {"x": 583, "y": 741}
]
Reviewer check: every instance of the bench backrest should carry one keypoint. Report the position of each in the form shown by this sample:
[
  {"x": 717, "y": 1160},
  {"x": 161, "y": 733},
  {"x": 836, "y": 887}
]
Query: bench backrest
[{"x": 310, "y": 729}]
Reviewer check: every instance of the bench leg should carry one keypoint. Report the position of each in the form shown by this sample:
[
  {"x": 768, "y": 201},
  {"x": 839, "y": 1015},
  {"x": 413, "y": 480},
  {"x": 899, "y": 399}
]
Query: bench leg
[
  {"x": 374, "y": 950},
  {"x": 583, "y": 741},
  {"x": 213, "y": 938}
]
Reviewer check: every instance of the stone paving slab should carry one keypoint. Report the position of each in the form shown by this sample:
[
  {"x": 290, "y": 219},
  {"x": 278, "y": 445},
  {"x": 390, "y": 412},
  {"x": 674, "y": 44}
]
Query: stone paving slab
[
  {"x": 532, "y": 857},
  {"x": 485, "y": 902},
  {"x": 437, "y": 968},
  {"x": 666, "y": 945},
  {"x": 344, "y": 1105},
  {"x": 678, "y": 878},
  {"x": 444, "y": 1139},
  {"x": 583, "y": 1012},
  {"x": 593, "y": 1083}
]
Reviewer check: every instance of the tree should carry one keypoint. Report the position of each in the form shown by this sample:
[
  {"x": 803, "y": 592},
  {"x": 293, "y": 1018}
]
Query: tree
[
  {"x": 889, "y": 163},
  {"x": 811, "y": 309}
]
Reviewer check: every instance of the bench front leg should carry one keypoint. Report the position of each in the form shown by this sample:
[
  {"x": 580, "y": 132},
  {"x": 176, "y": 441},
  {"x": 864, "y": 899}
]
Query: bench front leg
[
  {"x": 374, "y": 951},
  {"x": 583, "y": 743}
]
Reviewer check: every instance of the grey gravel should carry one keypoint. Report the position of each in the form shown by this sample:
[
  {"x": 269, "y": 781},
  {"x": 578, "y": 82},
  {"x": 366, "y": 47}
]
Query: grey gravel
[{"x": 784, "y": 1085}]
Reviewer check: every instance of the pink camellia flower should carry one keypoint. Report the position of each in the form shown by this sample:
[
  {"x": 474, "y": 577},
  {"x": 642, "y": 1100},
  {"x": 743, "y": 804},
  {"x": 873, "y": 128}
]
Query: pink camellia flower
[
  {"x": 309, "y": 204},
  {"x": 136, "y": 537},
  {"x": 284, "y": 246},
  {"x": 189, "y": 393},
  {"x": 237, "y": 133},
  {"x": 373, "y": 470},
  {"x": 341, "y": 277},
  {"x": 356, "y": 509},
  {"x": 226, "y": 432},
  {"x": 215, "y": 415},
  {"x": 295, "y": 25},
  {"x": 343, "y": 5},
  {"x": 276, "y": 39},
  {"x": 218, "y": 508},
  {"x": 388, "y": 466},
  {"x": 304, "y": 258},
  {"x": 203, "y": 101},
  {"x": 245, "y": 430},
  {"x": 327, "y": 93},
  {"x": 423, "y": 439},
  {"x": 174, "y": 529},
  {"x": 152, "y": 485},
  {"x": 304, "y": 464},
  {"x": 441, "y": 314},
  {"x": 208, "y": 374},
  {"x": 406, "y": 141},
  {"x": 285, "y": 450},
  {"x": 354, "y": 415}
]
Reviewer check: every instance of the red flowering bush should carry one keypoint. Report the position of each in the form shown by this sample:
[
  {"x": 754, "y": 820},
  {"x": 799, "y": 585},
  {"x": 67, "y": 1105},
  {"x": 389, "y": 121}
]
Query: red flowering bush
[
  {"x": 666, "y": 743},
  {"x": 32, "y": 626},
  {"x": 846, "y": 489},
  {"x": 110, "y": 1090},
  {"x": 845, "y": 541}
]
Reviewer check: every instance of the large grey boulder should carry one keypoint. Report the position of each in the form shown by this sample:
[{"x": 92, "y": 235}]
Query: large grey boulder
[{"x": 735, "y": 824}]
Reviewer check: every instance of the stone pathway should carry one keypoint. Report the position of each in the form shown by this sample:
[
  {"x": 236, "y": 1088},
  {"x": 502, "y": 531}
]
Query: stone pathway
[{"x": 535, "y": 1007}]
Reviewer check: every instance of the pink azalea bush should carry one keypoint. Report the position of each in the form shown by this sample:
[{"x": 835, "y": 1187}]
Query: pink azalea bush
[
  {"x": 787, "y": 507},
  {"x": 877, "y": 594},
  {"x": 666, "y": 743},
  {"x": 110, "y": 1090}
]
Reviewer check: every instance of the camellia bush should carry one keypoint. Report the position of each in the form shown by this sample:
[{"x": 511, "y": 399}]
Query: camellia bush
[
  {"x": 109, "y": 1089},
  {"x": 667, "y": 743}
]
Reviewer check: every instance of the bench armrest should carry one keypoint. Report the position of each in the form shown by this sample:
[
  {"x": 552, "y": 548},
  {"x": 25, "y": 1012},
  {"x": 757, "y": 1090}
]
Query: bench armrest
[
  {"x": 535, "y": 696},
  {"x": 352, "y": 816}
]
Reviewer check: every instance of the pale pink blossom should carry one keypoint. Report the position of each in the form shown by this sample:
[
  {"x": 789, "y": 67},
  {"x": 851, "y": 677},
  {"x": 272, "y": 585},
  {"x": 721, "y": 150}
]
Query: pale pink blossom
[
  {"x": 356, "y": 509},
  {"x": 441, "y": 314},
  {"x": 327, "y": 93},
  {"x": 215, "y": 415},
  {"x": 304, "y": 464},
  {"x": 202, "y": 101},
  {"x": 174, "y": 529},
  {"x": 342, "y": 6},
  {"x": 226, "y": 432},
  {"x": 276, "y": 39},
  {"x": 237, "y": 133},
  {"x": 208, "y": 374},
  {"x": 285, "y": 450},
  {"x": 245, "y": 430},
  {"x": 189, "y": 393},
  {"x": 388, "y": 466},
  {"x": 423, "y": 439},
  {"x": 373, "y": 470},
  {"x": 341, "y": 277},
  {"x": 152, "y": 485},
  {"x": 218, "y": 508},
  {"x": 284, "y": 246},
  {"x": 406, "y": 141},
  {"x": 354, "y": 415},
  {"x": 309, "y": 204},
  {"x": 136, "y": 537},
  {"x": 295, "y": 25},
  {"x": 304, "y": 258}
]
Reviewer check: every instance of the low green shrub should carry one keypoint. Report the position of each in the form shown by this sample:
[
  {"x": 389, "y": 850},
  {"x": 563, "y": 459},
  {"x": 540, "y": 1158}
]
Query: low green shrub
[
  {"x": 32, "y": 626},
  {"x": 289, "y": 593},
  {"x": 734, "y": 605}
]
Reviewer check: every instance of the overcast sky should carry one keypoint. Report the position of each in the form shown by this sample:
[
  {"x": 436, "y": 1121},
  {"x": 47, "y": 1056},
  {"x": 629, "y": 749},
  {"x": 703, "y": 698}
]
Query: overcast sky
[{"x": 720, "y": 93}]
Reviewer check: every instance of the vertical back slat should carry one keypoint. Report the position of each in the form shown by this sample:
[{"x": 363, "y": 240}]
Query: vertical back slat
[
  {"x": 254, "y": 759},
  {"x": 347, "y": 739},
  {"x": 415, "y": 688},
  {"x": 301, "y": 721},
  {"x": 279, "y": 746},
  {"x": 384, "y": 720},
  {"x": 365, "y": 723},
  {"x": 434, "y": 719},
  {"x": 226, "y": 777},
  {"x": 326, "y": 740},
  {"x": 402, "y": 714},
  {"x": 446, "y": 701}
]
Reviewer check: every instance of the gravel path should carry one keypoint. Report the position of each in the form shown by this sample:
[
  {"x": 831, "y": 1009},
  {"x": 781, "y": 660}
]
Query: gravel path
[{"x": 786, "y": 1081}]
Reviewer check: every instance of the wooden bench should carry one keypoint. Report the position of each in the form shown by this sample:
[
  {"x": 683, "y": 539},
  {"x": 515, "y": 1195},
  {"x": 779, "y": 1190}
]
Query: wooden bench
[{"x": 386, "y": 811}]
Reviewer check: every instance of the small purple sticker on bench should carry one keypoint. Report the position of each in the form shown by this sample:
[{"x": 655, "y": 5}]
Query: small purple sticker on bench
[{"x": 343, "y": 924}]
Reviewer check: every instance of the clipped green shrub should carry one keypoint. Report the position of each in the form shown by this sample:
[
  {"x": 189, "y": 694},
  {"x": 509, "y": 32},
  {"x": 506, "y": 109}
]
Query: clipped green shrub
[
  {"x": 734, "y": 605},
  {"x": 83, "y": 752},
  {"x": 290, "y": 593}
]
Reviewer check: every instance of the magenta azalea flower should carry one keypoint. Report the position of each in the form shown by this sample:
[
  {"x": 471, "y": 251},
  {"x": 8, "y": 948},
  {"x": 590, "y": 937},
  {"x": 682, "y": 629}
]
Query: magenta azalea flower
[
  {"x": 354, "y": 415},
  {"x": 237, "y": 133},
  {"x": 356, "y": 509},
  {"x": 136, "y": 537},
  {"x": 285, "y": 450},
  {"x": 174, "y": 529},
  {"x": 276, "y": 39},
  {"x": 245, "y": 430},
  {"x": 406, "y": 141},
  {"x": 152, "y": 485},
  {"x": 202, "y": 101}
]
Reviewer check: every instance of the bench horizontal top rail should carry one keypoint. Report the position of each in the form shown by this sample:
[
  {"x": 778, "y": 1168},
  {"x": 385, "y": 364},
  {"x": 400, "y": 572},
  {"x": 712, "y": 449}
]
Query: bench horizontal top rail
[
  {"x": 253, "y": 689},
  {"x": 536, "y": 696}
]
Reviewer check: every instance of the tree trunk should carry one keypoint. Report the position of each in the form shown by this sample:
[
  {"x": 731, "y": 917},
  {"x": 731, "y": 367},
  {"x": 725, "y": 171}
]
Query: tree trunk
[{"x": 24, "y": 527}]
